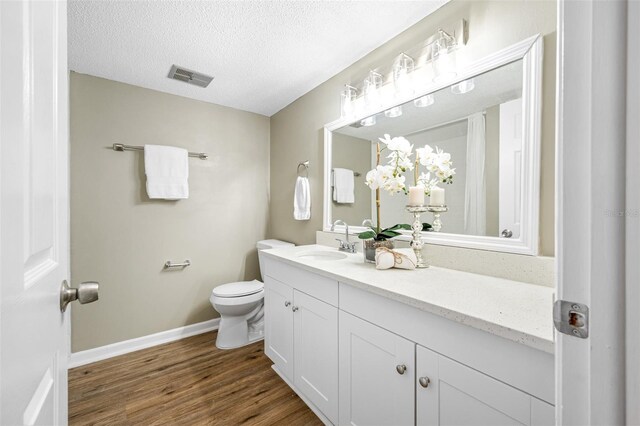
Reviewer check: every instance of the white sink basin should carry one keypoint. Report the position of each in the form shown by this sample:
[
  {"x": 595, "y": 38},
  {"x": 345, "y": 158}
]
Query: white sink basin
[{"x": 323, "y": 255}]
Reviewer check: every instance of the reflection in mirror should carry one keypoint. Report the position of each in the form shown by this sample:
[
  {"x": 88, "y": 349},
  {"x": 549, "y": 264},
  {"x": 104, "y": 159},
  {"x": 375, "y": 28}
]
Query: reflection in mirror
[{"x": 479, "y": 122}]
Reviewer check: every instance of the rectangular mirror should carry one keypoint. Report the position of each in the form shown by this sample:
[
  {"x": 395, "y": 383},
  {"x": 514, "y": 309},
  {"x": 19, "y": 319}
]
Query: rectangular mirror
[{"x": 487, "y": 119}]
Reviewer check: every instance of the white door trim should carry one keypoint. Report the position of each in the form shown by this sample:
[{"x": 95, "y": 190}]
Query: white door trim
[
  {"x": 78, "y": 359},
  {"x": 590, "y": 192},
  {"x": 633, "y": 215}
]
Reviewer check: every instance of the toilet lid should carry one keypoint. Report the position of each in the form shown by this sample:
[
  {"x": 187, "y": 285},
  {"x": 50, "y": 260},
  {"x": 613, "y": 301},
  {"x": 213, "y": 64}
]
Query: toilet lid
[{"x": 241, "y": 288}]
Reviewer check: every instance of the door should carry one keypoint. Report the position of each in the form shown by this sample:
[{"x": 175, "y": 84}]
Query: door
[
  {"x": 591, "y": 210},
  {"x": 450, "y": 393},
  {"x": 34, "y": 212},
  {"x": 376, "y": 375},
  {"x": 278, "y": 333},
  {"x": 315, "y": 346},
  {"x": 632, "y": 226},
  {"x": 510, "y": 171}
]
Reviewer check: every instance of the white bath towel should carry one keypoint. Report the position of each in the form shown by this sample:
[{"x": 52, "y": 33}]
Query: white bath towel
[
  {"x": 343, "y": 186},
  {"x": 302, "y": 199},
  {"x": 167, "y": 170}
]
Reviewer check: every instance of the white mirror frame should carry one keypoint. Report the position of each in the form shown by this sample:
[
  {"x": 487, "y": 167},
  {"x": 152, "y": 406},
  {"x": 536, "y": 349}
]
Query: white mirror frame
[{"x": 530, "y": 51}]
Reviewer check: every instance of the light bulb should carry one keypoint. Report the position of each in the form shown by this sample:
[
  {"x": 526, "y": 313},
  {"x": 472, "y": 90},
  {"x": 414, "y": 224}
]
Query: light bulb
[
  {"x": 444, "y": 61},
  {"x": 463, "y": 87},
  {"x": 372, "y": 86},
  {"x": 403, "y": 75},
  {"x": 347, "y": 99},
  {"x": 424, "y": 101},
  {"x": 369, "y": 121},
  {"x": 393, "y": 112}
]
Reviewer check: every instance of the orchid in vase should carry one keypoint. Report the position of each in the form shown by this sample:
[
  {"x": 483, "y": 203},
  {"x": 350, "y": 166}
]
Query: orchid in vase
[{"x": 391, "y": 178}]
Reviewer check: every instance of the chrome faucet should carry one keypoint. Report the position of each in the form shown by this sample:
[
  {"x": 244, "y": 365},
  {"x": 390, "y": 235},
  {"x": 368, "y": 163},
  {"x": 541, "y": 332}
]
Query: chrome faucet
[{"x": 344, "y": 245}]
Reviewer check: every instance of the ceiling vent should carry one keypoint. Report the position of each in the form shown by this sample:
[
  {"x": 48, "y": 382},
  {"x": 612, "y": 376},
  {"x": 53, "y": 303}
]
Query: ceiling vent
[{"x": 188, "y": 76}]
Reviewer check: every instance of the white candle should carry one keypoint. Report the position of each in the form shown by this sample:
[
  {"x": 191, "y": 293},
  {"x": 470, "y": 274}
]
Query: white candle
[
  {"x": 416, "y": 195},
  {"x": 437, "y": 197}
]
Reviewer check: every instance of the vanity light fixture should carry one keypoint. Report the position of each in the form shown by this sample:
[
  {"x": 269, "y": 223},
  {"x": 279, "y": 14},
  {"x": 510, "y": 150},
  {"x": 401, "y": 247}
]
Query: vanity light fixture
[
  {"x": 434, "y": 60},
  {"x": 372, "y": 87},
  {"x": 403, "y": 74},
  {"x": 463, "y": 87},
  {"x": 443, "y": 57},
  {"x": 424, "y": 101},
  {"x": 347, "y": 100},
  {"x": 369, "y": 121},
  {"x": 394, "y": 112}
]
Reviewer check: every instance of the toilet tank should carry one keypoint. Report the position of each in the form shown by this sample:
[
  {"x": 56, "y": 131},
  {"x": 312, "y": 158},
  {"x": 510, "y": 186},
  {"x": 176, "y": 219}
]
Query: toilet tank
[{"x": 269, "y": 244}]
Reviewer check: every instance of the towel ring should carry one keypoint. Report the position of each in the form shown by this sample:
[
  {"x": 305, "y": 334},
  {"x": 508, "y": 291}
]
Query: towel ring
[{"x": 306, "y": 168}]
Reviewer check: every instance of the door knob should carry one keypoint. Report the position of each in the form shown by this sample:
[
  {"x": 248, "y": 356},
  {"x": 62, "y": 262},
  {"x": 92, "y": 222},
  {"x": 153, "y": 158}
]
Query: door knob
[
  {"x": 294, "y": 309},
  {"x": 286, "y": 304},
  {"x": 401, "y": 368},
  {"x": 424, "y": 382},
  {"x": 507, "y": 233},
  {"x": 86, "y": 292}
]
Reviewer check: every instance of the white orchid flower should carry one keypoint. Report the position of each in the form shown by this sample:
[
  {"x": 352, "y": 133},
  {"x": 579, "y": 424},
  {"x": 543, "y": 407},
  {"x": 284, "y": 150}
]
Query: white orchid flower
[
  {"x": 386, "y": 140},
  {"x": 424, "y": 154},
  {"x": 400, "y": 144},
  {"x": 400, "y": 161},
  {"x": 377, "y": 177}
]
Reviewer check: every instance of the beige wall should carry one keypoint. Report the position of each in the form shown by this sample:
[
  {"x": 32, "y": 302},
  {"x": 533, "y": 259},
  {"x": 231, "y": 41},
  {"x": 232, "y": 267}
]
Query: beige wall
[
  {"x": 353, "y": 153},
  {"x": 296, "y": 131},
  {"x": 122, "y": 238}
]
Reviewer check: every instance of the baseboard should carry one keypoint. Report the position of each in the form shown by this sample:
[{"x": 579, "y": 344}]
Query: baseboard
[{"x": 77, "y": 359}]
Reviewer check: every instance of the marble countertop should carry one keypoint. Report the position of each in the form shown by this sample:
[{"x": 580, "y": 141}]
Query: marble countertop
[{"x": 514, "y": 310}]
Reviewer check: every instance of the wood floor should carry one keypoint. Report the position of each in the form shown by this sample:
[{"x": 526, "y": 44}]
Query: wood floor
[{"x": 188, "y": 382}]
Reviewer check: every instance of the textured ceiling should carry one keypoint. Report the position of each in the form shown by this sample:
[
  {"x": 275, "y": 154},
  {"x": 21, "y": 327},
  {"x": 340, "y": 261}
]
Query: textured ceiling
[{"x": 263, "y": 54}]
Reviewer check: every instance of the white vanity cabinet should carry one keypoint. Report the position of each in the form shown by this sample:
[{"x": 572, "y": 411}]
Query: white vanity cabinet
[
  {"x": 377, "y": 371},
  {"x": 301, "y": 338},
  {"x": 358, "y": 357}
]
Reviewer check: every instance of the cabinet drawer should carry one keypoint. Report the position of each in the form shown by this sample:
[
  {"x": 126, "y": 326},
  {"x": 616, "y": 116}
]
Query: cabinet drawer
[{"x": 312, "y": 284}]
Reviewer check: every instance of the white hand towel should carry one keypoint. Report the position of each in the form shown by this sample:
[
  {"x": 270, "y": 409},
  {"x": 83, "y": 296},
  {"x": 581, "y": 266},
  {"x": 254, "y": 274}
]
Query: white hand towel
[
  {"x": 167, "y": 170},
  {"x": 343, "y": 186},
  {"x": 302, "y": 199}
]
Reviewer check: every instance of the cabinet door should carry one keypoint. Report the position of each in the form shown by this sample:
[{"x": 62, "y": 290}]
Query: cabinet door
[
  {"x": 375, "y": 389},
  {"x": 278, "y": 333},
  {"x": 459, "y": 395},
  {"x": 542, "y": 413},
  {"x": 315, "y": 346}
]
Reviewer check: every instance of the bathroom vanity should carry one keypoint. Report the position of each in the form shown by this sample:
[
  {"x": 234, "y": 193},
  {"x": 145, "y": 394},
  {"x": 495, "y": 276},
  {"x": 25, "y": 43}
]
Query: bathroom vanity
[{"x": 397, "y": 347}]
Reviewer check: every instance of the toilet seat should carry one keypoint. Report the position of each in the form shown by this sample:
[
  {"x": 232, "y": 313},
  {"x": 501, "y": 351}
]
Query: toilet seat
[
  {"x": 238, "y": 289},
  {"x": 238, "y": 293}
]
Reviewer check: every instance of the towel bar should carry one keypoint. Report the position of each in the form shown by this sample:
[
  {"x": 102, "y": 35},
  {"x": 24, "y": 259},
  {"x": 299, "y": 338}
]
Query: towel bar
[
  {"x": 123, "y": 147},
  {"x": 169, "y": 264}
]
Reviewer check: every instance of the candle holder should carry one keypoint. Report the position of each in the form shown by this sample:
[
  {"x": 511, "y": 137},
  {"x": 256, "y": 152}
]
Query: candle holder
[
  {"x": 436, "y": 210},
  {"x": 416, "y": 242}
]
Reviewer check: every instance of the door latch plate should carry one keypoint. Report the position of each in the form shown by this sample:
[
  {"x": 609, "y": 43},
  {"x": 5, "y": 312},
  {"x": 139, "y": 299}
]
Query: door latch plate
[{"x": 571, "y": 318}]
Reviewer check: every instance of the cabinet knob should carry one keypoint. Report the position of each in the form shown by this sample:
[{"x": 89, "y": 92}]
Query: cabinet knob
[
  {"x": 424, "y": 381},
  {"x": 294, "y": 309},
  {"x": 401, "y": 368},
  {"x": 286, "y": 304}
]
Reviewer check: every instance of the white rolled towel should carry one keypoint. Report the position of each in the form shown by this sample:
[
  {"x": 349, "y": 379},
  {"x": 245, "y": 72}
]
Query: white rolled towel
[{"x": 398, "y": 258}]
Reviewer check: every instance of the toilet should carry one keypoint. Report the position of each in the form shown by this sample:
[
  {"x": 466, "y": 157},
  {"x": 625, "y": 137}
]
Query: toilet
[{"x": 241, "y": 307}]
